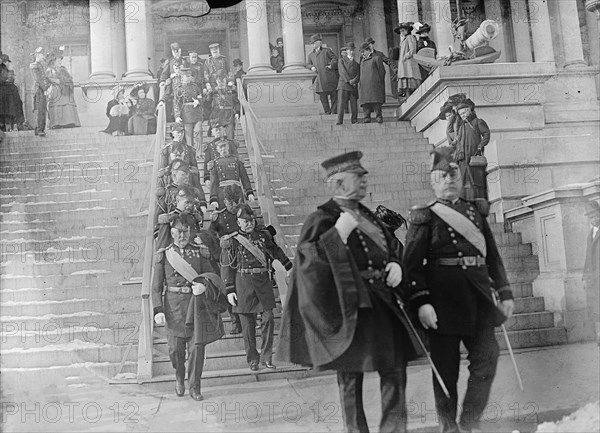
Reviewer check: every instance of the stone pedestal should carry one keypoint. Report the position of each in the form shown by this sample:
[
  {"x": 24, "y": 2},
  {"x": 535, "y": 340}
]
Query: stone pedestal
[
  {"x": 562, "y": 230},
  {"x": 280, "y": 95}
]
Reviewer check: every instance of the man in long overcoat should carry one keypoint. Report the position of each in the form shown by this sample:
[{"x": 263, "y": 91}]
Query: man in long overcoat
[
  {"x": 248, "y": 284},
  {"x": 42, "y": 83},
  {"x": 323, "y": 61},
  {"x": 172, "y": 294},
  {"x": 450, "y": 258},
  {"x": 347, "y": 84},
  {"x": 341, "y": 311},
  {"x": 371, "y": 88},
  {"x": 409, "y": 75}
]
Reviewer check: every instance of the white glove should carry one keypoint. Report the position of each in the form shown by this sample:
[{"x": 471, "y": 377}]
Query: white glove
[
  {"x": 159, "y": 319},
  {"x": 232, "y": 298},
  {"x": 313, "y": 68},
  {"x": 237, "y": 116},
  {"x": 394, "y": 276},
  {"x": 214, "y": 205},
  {"x": 203, "y": 209},
  {"x": 196, "y": 103},
  {"x": 179, "y": 120},
  {"x": 160, "y": 104},
  {"x": 162, "y": 84},
  {"x": 198, "y": 288},
  {"x": 251, "y": 197},
  {"x": 427, "y": 316},
  {"x": 345, "y": 224}
]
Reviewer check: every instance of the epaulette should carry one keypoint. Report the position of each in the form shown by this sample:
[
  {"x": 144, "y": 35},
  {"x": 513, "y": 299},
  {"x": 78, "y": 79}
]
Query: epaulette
[
  {"x": 215, "y": 214},
  {"x": 419, "y": 214},
  {"x": 160, "y": 253},
  {"x": 483, "y": 206}
]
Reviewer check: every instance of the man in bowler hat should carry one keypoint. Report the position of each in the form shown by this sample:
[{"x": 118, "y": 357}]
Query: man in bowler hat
[{"x": 324, "y": 62}]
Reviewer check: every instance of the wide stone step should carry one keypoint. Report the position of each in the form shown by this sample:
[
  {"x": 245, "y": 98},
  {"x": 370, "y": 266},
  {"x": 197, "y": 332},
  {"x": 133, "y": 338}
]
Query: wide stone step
[
  {"x": 515, "y": 251},
  {"x": 15, "y": 239},
  {"x": 35, "y": 207},
  {"x": 28, "y": 294},
  {"x": 41, "y": 308},
  {"x": 66, "y": 266},
  {"x": 65, "y": 354},
  {"x": 94, "y": 216},
  {"x": 50, "y": 167},
  {"x": 79, "y": 319},
  {"x": 543, "y": 319},
  {"x": 136, "y": 173},
  {"x": 522, "y": 290},
  {"x": 533, "y": 337},
  {"x": 529, "y": 305},
  {"x": 88, "y": 277},
  {"x": 89, "y": 194},
  {"x": 43, "y": 189}
]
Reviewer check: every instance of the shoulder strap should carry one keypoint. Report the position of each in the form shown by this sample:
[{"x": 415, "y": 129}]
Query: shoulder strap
[
  {"x": 254, "y": 250},
  {"x": 462, "y": 225}
]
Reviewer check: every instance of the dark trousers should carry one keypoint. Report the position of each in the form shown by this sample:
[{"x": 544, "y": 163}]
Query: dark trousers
[
  {"x": 267, "y": 328},
  {"x": 196, "y": 352},
  {"x": 329, "y": 109},
  {"x": 369, "y": 108},
  {"x": 483, "y": 359},
  {"x": 392, "y": 385},
  {"x": 345, "y": 96},
  {"x": 235, "y": 318},
  {"x": 42, "y": 110}
]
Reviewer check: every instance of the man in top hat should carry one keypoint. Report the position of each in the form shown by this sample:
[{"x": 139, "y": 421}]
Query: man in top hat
[
  {"x": 343, "y": 294},
  {"x": 187, "y": 299},
  {"x": 347, "y": 84},
  {"x": 42, "y": 83},
  {"x": 472, "y": 135},
  {"x": 409, "y": 75},
  {"x": 248, "y": 283},
  {"x": 425, "y": 42},
  {"x": 219, "y": 131},
  {"x": 324, "y": 62},
  {"x": 452, "y": 262},
  {"x": 187, "y": 106},
  {"x": 371, "y": 88},
  {"x": 226, "y": 170},
  {"x": 216, "y": 65},
  {"x": 591, "y": 268}
]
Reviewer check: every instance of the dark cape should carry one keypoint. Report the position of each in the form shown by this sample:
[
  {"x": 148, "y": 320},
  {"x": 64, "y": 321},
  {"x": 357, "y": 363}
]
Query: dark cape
[
  {"x": 204, "y": 311},
  {"x": 322, "y": 324}
]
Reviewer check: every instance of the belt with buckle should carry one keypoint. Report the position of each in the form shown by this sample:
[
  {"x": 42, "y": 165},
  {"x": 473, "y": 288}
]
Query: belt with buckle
[
  {"x": 254, "y": 271},
  {"x": 372, "y": 274},
  {"x": 182, "y": 289},
  {"x": 188, "y": 103},
  {"x": 462, "y": 261}
]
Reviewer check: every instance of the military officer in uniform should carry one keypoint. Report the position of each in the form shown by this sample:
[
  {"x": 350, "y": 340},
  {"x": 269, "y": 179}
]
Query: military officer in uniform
[
  {"x": 450, "y": 257},
  {"x": 216, "y": 65},
  {"x": 341, "y": 311},
  {"x": 225, "y": 105},
  {"x": 178, "y": 149},
  {"x": 227, "y": 170},
  {"x": 167, "y": 201},
  {"x": 248, "y": 285},
  {"x": 197, "y": 68},
  {"x": 173, "y": 290},
  {"x": 42, "y": 83},
  {"x": 211, "y": 153},
  {"x": 224, "y": 222},
  {"x": 187, "y": 106}
]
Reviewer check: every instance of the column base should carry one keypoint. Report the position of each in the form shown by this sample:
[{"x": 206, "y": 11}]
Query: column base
[
  {"x": 137, "y": 74},
  {"x": 260, "y": 69},
  {"x": 295, "y": 68},
  {"x": 279, "y": 95},
  {"x": 575, "y": 64},
  {"x": 102, "y": 76}
]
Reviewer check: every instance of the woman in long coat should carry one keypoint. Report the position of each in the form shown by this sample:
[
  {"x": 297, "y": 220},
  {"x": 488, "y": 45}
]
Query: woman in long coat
[
  {"x": 62, "y": 109},
  {"x": 371, "y": 89},
  {"x": 143, "y": 121},
  {"x": 409, "y": 75}
]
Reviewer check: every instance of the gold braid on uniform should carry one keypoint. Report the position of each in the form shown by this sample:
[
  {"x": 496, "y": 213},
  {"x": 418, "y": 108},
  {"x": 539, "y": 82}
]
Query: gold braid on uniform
[{"x": 228, "y": 259}]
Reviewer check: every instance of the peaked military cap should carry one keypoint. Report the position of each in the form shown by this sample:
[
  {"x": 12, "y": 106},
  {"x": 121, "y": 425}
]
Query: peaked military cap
[
  {"x": 442, "y": 158},
  {"x": 175, "y": 46},
  {"x": 177, "y": 127},
  {"x": 244, "y": 211},
  {"x": 215, "y": 45},
  {"x": 179, "y": 164},
  {"x": 315, "y": 38},
  {"x": 347, "y": 162}
]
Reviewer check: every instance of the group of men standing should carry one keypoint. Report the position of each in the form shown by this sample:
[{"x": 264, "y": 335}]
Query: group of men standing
[{"x": 361, "y": 76}]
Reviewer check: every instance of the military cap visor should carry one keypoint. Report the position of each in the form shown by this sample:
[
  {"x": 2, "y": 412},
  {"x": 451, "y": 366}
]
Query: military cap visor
[
  {"x": 215, "y": 45},
  {"x": 177, "y": 127},
  {"x": 245, "y": 212},
  {"x": 345, "y": 163},
  {"x": 180, "y": 165},
  {"x": 175, "y": 46}
]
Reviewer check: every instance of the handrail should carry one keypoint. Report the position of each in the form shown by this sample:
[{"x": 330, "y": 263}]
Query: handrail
[
  {"x": 264, "y": 189},
  {"x": 145, "y": 346}
]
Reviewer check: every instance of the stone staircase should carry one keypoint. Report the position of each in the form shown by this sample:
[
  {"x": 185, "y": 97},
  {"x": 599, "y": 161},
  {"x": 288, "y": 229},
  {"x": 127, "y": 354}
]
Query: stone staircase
[
  {"x": 71, "y": 230},
  {"x": 398, "y": 160}
]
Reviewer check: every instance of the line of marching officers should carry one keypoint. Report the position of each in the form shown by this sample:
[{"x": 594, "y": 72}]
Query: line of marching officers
[{"x": 355, "y": 295}]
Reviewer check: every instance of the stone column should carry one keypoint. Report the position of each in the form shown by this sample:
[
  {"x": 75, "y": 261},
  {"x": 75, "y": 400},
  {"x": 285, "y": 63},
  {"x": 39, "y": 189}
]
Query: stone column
[
  {"x": 258, "y": 37},
  {"x": 441, "y": 17},
  {"x": 520, "y": 26},
  {"x": 571, "y": 34},
  {"x": 377, "y": 30},
  {"x": 539, "y": 19},
  {"x": 117, "y": 38},
  {"x": 135, "y": 40},
  {"x": 293, "y": 36},
  {"x": 593, "y": 24},
  {"x": 408, "y": 10},
  {"x": 101, "y": 51}
]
